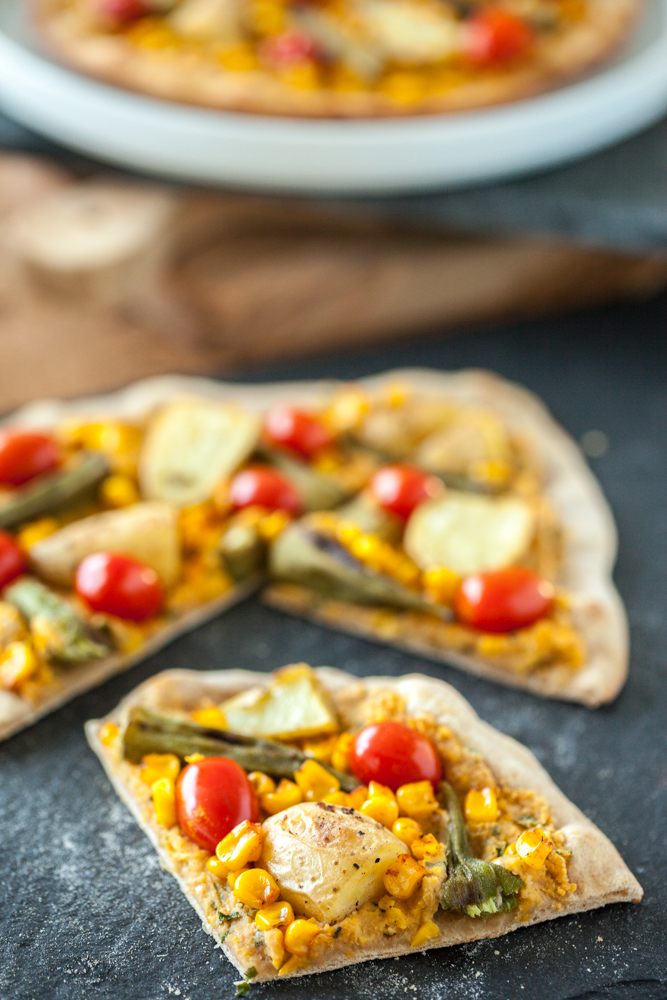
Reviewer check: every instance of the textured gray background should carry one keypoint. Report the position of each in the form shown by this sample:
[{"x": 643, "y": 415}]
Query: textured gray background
[{"x": 87, "y": 913}]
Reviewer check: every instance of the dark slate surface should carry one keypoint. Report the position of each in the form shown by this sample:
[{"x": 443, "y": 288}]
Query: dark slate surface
[
  {"x": 616, "y": 199},
  {"x": 86, "y": 911}
]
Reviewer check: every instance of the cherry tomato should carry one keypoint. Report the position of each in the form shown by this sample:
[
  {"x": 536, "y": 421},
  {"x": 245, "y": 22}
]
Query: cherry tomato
[
  {"x": 262, "y": 486},
  {"x": 401, "y": 488},
  {"x": 495, "y": 36},
  {"x": 212, "y": 796},
  {"x": 503, "y": 600},
  {"x": 288, "y": 49},
  {"x": 12, "y": 559},
  {"x": 295, "y": 429},
  {"x": 394, "y": 755},
  {"x": 24, "y": 455},
  {"x": 119, "y": 585},
  {"x": 119, "y": 12}
]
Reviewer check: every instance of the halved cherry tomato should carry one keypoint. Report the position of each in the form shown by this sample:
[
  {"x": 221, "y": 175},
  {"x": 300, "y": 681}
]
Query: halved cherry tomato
[
  {"x": 394, "y": 755},
  {"x": 264, "y": 487},
  {"x": 496, "y": 36},
  {"x": 12, "y": 559},
  {"x": 119, "y": 12},
  {"x": 212, "y": 797},
  {"x": 118, "y": 585},
  {"x": 504, "y": 599},
  {"x": 26, "y": 454},
  {"x": 401, "y": 488},
  {"x": 288, "y": 49},
  {"x": 295, "y": 429}
]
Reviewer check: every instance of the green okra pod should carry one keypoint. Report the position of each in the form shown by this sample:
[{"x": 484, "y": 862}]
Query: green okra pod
[{"x": 59, "y": 630}]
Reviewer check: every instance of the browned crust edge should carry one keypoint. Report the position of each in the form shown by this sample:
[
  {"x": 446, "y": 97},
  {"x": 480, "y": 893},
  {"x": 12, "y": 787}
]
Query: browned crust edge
[
  {"x": 113, "y": 59},
  {"x": 595, "y": 865}
]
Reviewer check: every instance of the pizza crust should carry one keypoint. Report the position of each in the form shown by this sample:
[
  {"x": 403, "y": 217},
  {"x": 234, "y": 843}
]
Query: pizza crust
[
  {"x": 179, "y": 77},
  {"x": 600, "y": 874}
]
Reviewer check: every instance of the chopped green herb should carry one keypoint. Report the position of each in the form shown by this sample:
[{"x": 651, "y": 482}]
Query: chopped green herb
[
  {"x": 527, "y": 820},
  {"x": 500, "y": 850},
  {"x": 258, "y": 940},
  {"x": 242, "y": 988},
  {"x": 496, "y": 830}
]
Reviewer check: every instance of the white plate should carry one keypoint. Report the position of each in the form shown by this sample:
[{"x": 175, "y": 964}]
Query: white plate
[{"x": 328, "y": 157}]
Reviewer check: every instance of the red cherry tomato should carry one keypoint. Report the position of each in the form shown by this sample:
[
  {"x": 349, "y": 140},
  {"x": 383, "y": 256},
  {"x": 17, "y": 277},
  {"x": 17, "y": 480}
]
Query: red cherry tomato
[
  {"x": 24, "y": 455},
  {"x": 12, "y": 559},
  {"x": 118, "y": 585},
  {"x": 288, "y": 49},
  {"x": 503, "y": 600},
  {"x": 295, "y": 429},
  {"x": 119, "y": 12},
  {"x": 212, "y": 796},
  {"x": 394, "y": 755},
  {"x": 262, "y": 486},
  {"x": 401, "y": 488},
  {"x": 496, "y": 36}
]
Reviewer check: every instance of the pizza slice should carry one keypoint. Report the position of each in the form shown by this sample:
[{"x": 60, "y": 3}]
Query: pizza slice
[
  {"x": 337, "y": 58},
  {"x": 315, "y": 820}
]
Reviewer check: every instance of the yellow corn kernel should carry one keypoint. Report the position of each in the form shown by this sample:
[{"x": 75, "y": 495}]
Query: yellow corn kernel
[
  {"x": 193, "y": 758},
  {"x": 164, "y": 800},
  {"x": 18, "y": 663},
  {"x": 299, "y": 936},
  {"x": 273, "y": 525},
  {"x": 406, "y": 829},
  {"x": 381, "y": 804},
  {"x": 336, "y": 799},
  {"x": 34, "y": 532},
  {"x": 321, "y": 750},
  {"x": 256, "y": 888},
  {"x": 217, "y": 869},
  {"x": 303, "y": 76},
  {"x": 349, "y": 407},
  {"x": 118, "y": 491},
  {"x": 212, "y": 718},
  {"x": 200, "y": 527},
  {"x": 416, "y": 799},
  {"x": 277, "y": 914},
  {"x": 340, "y": 757},
  {"x": 241, "y": 846},
  {"x": 440, "y": 584},
  {"x": 233, "y": 876},
  {"x": 533, "y": 847},
  {"x": 290, "y": 966},
  {"x": 427, "y": 932},
  {"x": 397, "y": 393},
  {"x": 262, "y": 783},
  {"x": 481, "y": 806},
  {"x": 239, "y": 57},
  {"x": 159, "y": 765},
  {"x": 357, "y": 797},
  {"x": 426, "y": 847},
  {"x": 403, "y": 877},
  {"x": 315, "y": 781},
  {"x": 267, "y": 17},
  {"x": 275, "y": 947},
  {"x": 109, "y": 734},
  {"x": 286, "y": 794}
]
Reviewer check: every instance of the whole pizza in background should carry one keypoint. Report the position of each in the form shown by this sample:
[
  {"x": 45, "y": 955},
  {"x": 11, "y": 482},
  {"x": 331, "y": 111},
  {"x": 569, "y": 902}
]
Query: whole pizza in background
[{"x": 336, "y": 58}]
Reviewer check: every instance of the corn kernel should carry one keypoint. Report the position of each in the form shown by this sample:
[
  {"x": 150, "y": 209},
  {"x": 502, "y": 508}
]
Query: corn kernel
[
  {"x": 349, "y": 407},
  {"x": 212, "y": 718},
  {"x": 481, "y": 806},
  {"x": 290, "y": 966},
  {"x": 232, "y": 876},
  {"x": 440, "y": 584},
  {"x": 109, "y": 734},
  {"x": 262, "y": 783},
  {"x": 302, "y": 75},
  {"x": 393, "y": 914},
  {"x": 164, "y": 800},
  {"x": 256, "y": 888},
  {"x": 321, "y": 750},
  {"x": 397, "y": 393},
  {"x": 118, "y": 491},
  {"x": 357, "y": 797},
  {"x": 277, "y": 914},
  {"x": 34, "y": 532},
  {"x": 533, "y": 847},
  {"x": 381, "y": 804},
  {"x": 159, "y": 765},
  {"x": 240, "y": 58},
  {"x": 241, "y": 846},
  {"x": 275, "y": 947},
  {"x": 406, "y": 829},
  {"x": 427, "y": 932},
  {"x": 217, "y": 869},
  {"x": 416, "y": 799},
  {"x": 18, "y": 663},
  {"x": 426, "y": 847},
  {"x": 340, "y": 757},
  {"x": 315, "y": 781},
  {"x": 286, "y": 794},
  {"x": 273, "y": 525},
  {"x": 403, "y": 877},
  {"x": 299, "y": 936},
  {"x": 336, "y": 799},
  {"x": 194, "y": 758}
]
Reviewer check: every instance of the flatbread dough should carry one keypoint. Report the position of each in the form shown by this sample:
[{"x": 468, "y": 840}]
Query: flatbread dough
[
  {"x": 176, "y": 76},
  {"x": 599, "y": 872}
]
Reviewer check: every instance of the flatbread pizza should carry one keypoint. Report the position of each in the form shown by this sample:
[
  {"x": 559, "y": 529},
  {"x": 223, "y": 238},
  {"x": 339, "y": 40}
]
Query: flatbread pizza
[
  {"x": 348, "y": 58},
  {"x": 352, "y": 819}
]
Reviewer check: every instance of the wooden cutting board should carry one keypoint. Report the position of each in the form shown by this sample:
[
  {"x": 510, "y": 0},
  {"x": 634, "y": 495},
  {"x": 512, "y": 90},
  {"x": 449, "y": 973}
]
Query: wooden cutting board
[{"x": 104, "y": 282}]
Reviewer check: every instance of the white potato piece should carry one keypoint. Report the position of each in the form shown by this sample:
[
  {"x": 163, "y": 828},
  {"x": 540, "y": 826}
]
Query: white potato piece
[
  {"x": 191, "y": 445},
  {"x": 146, "y": 531},
  {"x": 410, "y": 32},
  {"x": 327, "y": 860},
  {"x": 292, "y": 707},
  {"x": 469, "y": 533}
]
